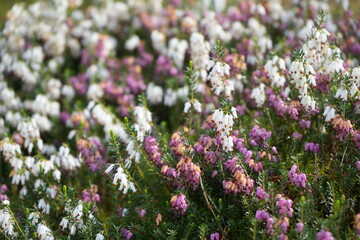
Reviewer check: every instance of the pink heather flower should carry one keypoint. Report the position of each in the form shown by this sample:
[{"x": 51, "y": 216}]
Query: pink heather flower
[
  {"x": 297, "y": 178},
  {"x": 312, "y": 147},
  {"x": 93, "y": 153},
  {"x": 152, "y": 148},
  {"x": 214, "y": 173},
  {"x": 126, "y": 234},
  {"x": 178, "y": 204},
  {"x": 274, "y": 150},
  {"x": 356, "y": 138},
  {"x": 262, "y": 215},
  {"x": 358, "y": 165},
  {"x": 284, "y": 206},
  {"x": 324, "y": 235},
  {"x": 215, "y": 236},
  {"x": 299, "y": 227},
  {"x": 259, "y": 136},
  {"x": 261, "y": 194},
  {"x": 241, "y": 109},
  {"x": 80, "y": 83},
  {"x": 305, "y": 123},
  {"x": 91, "y": 195},
  {"x": 297, "y": 136},
  {"x": 282, "y": 237},
  {"x": 3, "y": 189},
  {"x": 357, "y": 224},
  {"x": 142, "y": 213},
  {"x": 284, "y": 226}
]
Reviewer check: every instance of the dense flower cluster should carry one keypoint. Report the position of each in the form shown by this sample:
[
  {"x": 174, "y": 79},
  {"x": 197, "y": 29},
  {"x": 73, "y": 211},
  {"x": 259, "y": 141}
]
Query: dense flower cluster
[{"x": 150, "y": 119}]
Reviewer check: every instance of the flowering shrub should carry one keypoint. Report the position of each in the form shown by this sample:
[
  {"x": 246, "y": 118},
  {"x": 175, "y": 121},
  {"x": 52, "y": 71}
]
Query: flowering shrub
[{"x": 180, "y": 120}]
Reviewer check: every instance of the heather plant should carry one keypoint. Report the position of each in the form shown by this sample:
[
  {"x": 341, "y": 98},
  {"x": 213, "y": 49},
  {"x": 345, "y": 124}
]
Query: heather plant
[{"x": 180, "y": 120}]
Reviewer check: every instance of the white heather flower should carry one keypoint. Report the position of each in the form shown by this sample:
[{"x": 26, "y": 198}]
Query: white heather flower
[
  {"x": 200, "y": 53},
  {"x": 44, "y": 106},
  {"x": 43, "y": 122},
  {"x": 355, "y": 76},
  {"x": 42, "y": 165},
  {"x": 237, "y": 30},
  {"x": 20, "y": 176},
  {"x": 196, "y": 105},
  {"x": 65, "y": 160},
  {"x": 95, "y": 92},
  {"x": 64, "y": 223},
  {"x": 73, "y": 229},
  {"x": 56, "y": 175},
  {"x": 51, "y": 192},
  {"x": 176, "y": 51},
  {"x": 42, "y": 205},
  {"x": 23, "y": 192},
  {"x": 170, "y": 97},
  {"x": 142, "y": 122},
  {"x": 55, "y": 45},
  {"x": 39, "y": 183},
  {"x": 258, "y": 94},
  {"x": 9, "y": 149},
  {"x": 342, "y": 93},
  {"x": 109, "y": 169},
  {"x": 187, "y": 107},
  {"x": 218, "y": 78},
  {"x": 308, "y": 103},
  {"x": 213, "y": 29},
  {"x": 132, "y": 153},
  {"x": 154, "y": 93},
  {"x": 274, "y": 68},
  {"x": 6, "y": 220},
  {"x": 34, "y": 218},
  {"x": 68, "y": 91},
  {"x": 224, "y": 124},
  {"x": 78, "y": 211},
  {"x": 99, "y": 236},
  {"x": 329, "y": 113},
  {"x": 158, "y": 40},
  {"x": 124, "y": 184},
  {"x": 132, "y": 43},
  {"x": 44, "y": 233}
]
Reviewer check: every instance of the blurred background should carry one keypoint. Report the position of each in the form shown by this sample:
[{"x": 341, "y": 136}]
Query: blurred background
[{"x": 5, "y": 5}]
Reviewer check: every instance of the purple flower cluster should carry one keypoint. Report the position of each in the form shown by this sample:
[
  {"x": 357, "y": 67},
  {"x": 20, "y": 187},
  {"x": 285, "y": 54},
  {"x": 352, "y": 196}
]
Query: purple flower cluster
[
  {"x": 210, "y": 147},
  {"x": 312, "y": 147},
  {"x": 299, "y": 179},
  {"x": 93, "y": 153},
  {"x": 189, "y": 170},
  {"x": 285, "y": 206},
  {"x": 342, "y": 128},
  {"x": 80, "y": 83},
  {"x": 126, "y": 234},
  {"x": 262, "y": 215},
  {"x": 3, "y": 189},
  {"x": 152, "y": 148},
  {"x": 305, "y": 123},
  {"x": 241, "y": 181},
  {"x": 356, "y": 139},
  {"x": 280, "y": 106},
  {"x": 299, "y": 227},
  {"x": 261, "y": 194},
  {"x": 324, "y": 235},
  {"x": 214, "y": 236},
  {"x": 178, "y": 204},
  {"x": 91, "y": 195},
  {"x": 259, "y": 136},
  {"x": 297, "y": 136}
]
